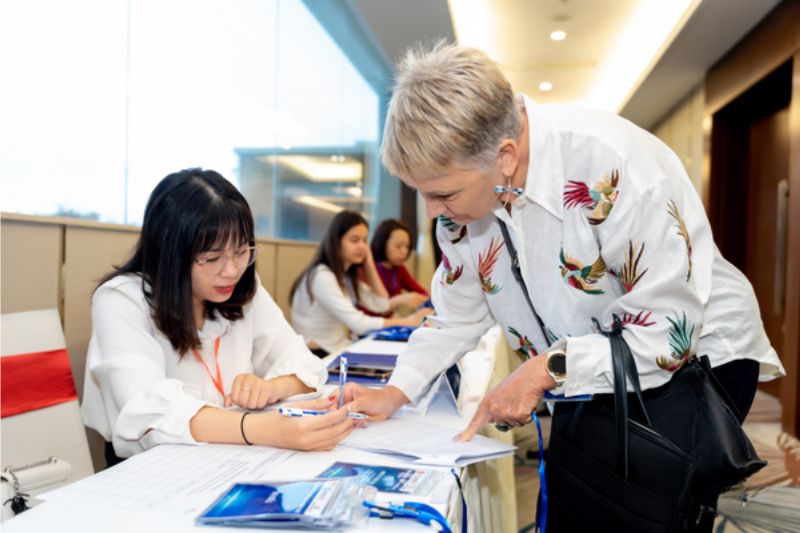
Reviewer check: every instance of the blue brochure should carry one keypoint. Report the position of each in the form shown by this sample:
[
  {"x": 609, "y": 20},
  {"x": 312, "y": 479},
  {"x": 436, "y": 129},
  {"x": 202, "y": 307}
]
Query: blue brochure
[
  {"x": 392, "y": 333},
  {"x": 316, "y": 503},
  {"x": 383, "y": 478},
  {"x": 245, "y": 501}
]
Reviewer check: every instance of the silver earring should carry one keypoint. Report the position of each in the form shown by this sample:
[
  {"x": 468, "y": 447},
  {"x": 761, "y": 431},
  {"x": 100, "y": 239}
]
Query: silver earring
[{"x": 499, "y": 189}]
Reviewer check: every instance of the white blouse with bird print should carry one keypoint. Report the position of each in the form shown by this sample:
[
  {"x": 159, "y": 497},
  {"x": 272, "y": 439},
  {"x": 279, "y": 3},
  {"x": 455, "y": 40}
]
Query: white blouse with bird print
[{"x": 609, "y": 224}]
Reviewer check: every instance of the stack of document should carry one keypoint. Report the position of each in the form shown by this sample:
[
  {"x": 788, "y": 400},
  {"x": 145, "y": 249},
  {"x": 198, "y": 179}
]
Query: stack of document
[
  {"x": 411, "y": 439},
  {"x": 364, "y": 368}
]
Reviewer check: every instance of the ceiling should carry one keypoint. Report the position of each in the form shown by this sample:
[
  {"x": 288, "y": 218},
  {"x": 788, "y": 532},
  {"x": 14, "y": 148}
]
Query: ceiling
[{"x": 516, "y": 34}]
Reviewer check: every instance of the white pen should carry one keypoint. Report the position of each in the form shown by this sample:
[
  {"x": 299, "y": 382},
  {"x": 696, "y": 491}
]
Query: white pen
[
  {"x": 342, "y": 378},
  {"x": 294, "y": 411}
]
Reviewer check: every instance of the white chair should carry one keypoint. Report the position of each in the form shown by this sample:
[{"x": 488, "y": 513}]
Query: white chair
[{"x": 45, "y": 447}]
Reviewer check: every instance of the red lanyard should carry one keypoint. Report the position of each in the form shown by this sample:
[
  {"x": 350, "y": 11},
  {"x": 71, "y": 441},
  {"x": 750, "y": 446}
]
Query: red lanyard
[{"x": 218, "y": 381}]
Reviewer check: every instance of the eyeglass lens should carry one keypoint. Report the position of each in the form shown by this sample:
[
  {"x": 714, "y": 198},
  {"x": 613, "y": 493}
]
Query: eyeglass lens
[{"x": 215, "y": 263}]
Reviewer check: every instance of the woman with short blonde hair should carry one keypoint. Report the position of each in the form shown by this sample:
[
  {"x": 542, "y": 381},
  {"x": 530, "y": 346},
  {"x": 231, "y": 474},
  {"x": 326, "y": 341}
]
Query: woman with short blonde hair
[
  {"x": 552, "y": 219},
  {"x": 453, "y": 104}
]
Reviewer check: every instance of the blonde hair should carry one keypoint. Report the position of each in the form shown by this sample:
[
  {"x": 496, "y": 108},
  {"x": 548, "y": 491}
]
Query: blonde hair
[{"x": 449, "y": 104}]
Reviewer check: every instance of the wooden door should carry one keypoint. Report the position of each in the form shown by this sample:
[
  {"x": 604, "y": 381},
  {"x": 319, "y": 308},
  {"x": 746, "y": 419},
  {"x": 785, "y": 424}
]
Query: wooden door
[
  {"x": 749, "y": 165},
  {"x": 764, "y": 265}
]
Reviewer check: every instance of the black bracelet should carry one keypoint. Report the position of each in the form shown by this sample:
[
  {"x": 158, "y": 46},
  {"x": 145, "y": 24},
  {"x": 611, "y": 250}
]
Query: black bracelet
[{"x": 241, "y": 428}]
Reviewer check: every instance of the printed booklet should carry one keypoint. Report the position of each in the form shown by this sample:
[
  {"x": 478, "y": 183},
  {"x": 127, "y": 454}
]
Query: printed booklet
[{"x": 311, "y": 504}]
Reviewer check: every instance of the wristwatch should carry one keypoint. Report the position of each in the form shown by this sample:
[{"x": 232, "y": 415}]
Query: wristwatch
[{"x": 556, "y": 366}]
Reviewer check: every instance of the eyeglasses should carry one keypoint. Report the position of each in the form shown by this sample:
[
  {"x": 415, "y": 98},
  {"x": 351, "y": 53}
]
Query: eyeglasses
[{"x": 214, "y": 263}]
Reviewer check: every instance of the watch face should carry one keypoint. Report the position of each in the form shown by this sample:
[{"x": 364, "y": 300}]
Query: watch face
[{"x": 557, "y": 364}]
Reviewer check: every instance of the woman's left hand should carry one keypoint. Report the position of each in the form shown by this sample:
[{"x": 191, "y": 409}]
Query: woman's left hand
[
  {"x": 513, "y": 400},
  {"x": 252, "y": 392}
]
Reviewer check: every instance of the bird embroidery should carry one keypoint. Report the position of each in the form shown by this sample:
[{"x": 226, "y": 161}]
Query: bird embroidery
[
  {"x": 452, "y": 227},
  {"x": 582, "y": 277},
  {"x": 599, "y": 200},
  {"x": 680, "y": 342},
  {"x": 639, "y": 319},
  {"x": 629, "y": 275},
  {"x": 486, "y": 262},
  {"x": 449, "y": 276},
  {"x": 683, "y": 232},
  {"x": 526, "y": 349}
]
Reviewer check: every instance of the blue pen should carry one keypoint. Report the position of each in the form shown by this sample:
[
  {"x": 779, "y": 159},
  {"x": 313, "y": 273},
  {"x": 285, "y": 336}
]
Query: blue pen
[
  {"x": 342, "y": 378},
  {"x": 295, "y": 411}
]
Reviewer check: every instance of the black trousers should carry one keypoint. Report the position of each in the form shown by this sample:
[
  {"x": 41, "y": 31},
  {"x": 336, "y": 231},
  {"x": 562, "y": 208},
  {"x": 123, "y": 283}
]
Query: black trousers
[{"x": 111, "y": 457}]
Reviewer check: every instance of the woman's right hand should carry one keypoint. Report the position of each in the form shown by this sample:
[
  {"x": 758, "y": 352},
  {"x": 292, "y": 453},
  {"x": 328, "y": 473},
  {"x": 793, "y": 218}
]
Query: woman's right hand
[
  {"x": 306, "y": 433},
  {"x": 379, "y": 404},
  {"x": 420, "y": 315}
]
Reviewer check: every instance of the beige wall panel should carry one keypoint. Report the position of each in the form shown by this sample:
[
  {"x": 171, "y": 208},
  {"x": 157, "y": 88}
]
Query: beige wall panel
[
  {"x": 682, "y": 130},
  {"x": 30, "y": 264},
  {"x": 698, "y": 102},
  {"x": 291, "y": 260},
  {"x": 89, "y": 254},
  {"x": 265, "y": 265},
  {"x": 424, "y": 249},
  {"x": 664, "y": 131}
]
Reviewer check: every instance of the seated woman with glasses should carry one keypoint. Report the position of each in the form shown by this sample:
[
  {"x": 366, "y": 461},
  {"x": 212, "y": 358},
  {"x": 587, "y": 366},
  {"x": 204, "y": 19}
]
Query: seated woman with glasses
[
  {"x": 185, "y": 329},
  {"x": 391, "y": 247},
  {"x": 340, "y": 278}
]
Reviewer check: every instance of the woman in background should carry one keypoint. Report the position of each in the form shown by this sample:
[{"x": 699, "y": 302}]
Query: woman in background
[
  {"x": 391, "y": 247},
  {"x": 341, "y": 276},
  {"x": 184, "y": 329}
]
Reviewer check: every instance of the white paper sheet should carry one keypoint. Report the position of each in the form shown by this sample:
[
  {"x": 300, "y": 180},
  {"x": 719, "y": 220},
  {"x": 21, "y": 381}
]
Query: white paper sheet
[
  {"x": 376, "y": 347},
  {"x": 423, "y": 443},
  {"x": 172, "y": 478}
]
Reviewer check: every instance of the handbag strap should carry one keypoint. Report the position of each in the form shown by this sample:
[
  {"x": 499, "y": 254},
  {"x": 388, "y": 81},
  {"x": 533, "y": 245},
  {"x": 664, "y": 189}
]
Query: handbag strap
[
  {"x": 633, "y": 375},
  {"x": 517, "y": 271},
  {"x": 624, "y": 367},
  {"x": 620, "y": 405}
]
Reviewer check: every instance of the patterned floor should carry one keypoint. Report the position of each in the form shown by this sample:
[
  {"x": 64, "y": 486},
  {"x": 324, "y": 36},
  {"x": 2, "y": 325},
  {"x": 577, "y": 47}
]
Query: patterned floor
[{"x": 774, "y": 492}]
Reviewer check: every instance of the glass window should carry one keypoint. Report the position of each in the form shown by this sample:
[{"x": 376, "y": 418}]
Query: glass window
[
  {"x": 324, "y": 130},
  {"x": 62, "y": 131},
  {"x": 114, "y": 95}
]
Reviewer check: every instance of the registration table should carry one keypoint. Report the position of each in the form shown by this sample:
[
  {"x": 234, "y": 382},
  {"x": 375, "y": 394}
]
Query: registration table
[{"x": 142, "y": 494}]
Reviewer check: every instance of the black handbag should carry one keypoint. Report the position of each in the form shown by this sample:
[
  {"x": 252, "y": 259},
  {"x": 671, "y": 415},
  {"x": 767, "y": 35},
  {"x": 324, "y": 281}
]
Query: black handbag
[{"x": 658, "y": 467}]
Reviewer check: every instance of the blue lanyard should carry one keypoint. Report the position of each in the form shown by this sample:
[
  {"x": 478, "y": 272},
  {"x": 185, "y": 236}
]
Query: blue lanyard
[
  {"x": 463, "y": 501},
  {"x": 541, "y": 503},
  {"x": 421, "y": 512}
]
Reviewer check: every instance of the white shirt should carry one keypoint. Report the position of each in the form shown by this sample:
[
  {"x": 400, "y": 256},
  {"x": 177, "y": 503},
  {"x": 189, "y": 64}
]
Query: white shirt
[
  {"x": 650, "y": 260},
  {"x": 139, "y": 392},
  {"x": 332, "y": 316}
]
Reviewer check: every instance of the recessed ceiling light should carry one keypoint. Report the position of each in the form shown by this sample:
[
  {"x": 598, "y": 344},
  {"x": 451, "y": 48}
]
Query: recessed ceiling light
[
  {"x": 545, "y": 86},
  {"x": 558, "y": 35}
]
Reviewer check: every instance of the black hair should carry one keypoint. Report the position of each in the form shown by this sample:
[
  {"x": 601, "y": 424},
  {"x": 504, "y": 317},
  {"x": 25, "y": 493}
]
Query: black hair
[
  {"x": 329, "y": 253},
  {"x": 382, "y": 234},
  {"x": 188, "y": 213}
]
